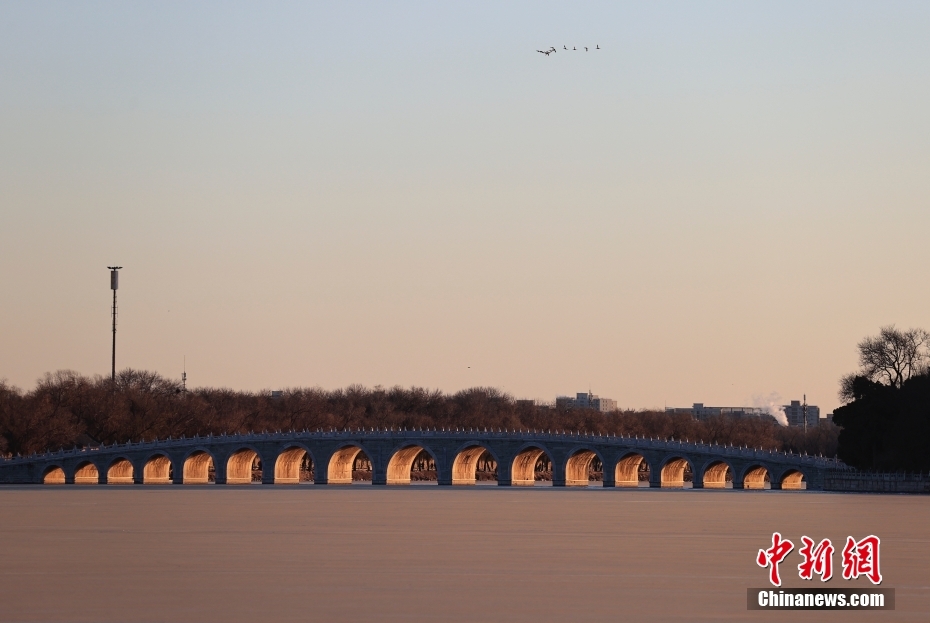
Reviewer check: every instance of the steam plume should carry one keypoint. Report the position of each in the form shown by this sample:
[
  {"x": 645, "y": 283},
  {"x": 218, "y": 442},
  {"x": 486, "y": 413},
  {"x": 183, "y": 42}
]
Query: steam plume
[{"x": 772, "y": 404}]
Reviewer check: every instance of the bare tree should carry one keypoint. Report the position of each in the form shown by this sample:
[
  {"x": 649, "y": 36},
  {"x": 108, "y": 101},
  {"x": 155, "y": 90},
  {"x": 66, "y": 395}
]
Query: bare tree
[
  {"x": 891, "y": 357},
  {"x": 65, "y": 408}
]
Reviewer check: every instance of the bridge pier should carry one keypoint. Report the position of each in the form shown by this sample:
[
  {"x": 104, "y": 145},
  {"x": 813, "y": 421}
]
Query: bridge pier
[
  {"x": 505, "y": 468},
  {"x": 655, "y": 476},
  {"x": 558, "y": 469},
  {"x": 268, "y": 465},
  {"x": 177, "y": 467},
  {"x": 609, "y": 468},
  {"x": 138, "y": 471},
  {"x": 219, "y": 468},
  {"x": 268, "y": 454}
]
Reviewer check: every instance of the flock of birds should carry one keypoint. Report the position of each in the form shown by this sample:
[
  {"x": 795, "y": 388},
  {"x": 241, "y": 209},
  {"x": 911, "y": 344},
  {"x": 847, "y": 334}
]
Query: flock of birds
[{"x": 565, "y": 47}]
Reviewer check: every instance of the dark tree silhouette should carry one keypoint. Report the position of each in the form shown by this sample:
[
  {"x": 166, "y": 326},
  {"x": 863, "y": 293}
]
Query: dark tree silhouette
[
  {"x": 886, "y": 419},
  {"x": 886, "y": 427}
]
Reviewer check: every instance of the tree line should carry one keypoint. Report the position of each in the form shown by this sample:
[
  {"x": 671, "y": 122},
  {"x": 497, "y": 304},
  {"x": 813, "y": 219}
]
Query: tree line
[
  {"x": 66, "y": 409},
  {"x": 884, "y": 423}
]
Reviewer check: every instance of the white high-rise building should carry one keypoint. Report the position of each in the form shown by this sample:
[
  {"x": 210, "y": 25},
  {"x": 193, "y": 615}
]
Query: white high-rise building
[
  {"x": 796, "y": 411},
  {"x": 701, "y": 412},
  {"x": 586, "y": 400}
]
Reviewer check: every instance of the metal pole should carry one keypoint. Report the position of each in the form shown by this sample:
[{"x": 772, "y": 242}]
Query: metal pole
[
  {"x": 114, "y": 285},
  {"x": 113, "y": 363},
  {"x": 803, "y": 412}
]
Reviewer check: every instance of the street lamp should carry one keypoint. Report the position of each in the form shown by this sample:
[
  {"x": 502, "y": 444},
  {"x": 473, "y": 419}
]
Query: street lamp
[{"x": 114, "y": 285}]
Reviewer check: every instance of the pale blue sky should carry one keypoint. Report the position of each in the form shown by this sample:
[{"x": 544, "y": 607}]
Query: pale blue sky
[{"x": 715, "y": 206}]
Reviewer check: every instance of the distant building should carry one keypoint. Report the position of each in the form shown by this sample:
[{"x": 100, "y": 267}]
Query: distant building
[
  {"x": 795, "y": 413},
  {"x": 586, "y": 400},
  {"x": 699, "y": 412}
]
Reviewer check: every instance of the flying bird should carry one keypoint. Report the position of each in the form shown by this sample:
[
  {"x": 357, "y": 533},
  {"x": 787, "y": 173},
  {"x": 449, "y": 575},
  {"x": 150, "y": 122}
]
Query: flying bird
[
  {"x": 546, "y": 52},
  {"x": 585, "y": 48}
]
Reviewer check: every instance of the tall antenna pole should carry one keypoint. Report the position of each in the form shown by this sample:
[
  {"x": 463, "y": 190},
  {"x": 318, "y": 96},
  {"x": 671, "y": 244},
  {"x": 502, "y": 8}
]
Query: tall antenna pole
[
  {"x": 114, "y": 285},
  {"x": 804, "y": 412}
]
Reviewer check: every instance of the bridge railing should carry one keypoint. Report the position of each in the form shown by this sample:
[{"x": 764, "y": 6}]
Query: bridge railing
[{"x": 851, "y": 480}]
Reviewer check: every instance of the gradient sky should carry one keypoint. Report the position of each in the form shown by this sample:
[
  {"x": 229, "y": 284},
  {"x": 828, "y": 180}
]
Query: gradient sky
[{"x": 715, "y": 207}]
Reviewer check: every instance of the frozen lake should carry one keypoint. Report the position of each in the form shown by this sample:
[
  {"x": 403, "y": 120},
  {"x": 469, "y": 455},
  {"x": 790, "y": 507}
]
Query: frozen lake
[{"x": 465, "y": 554}]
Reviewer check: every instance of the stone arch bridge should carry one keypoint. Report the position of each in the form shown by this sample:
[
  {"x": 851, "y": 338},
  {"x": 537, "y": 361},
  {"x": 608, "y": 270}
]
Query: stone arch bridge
[{"x": 234, "y": 459}]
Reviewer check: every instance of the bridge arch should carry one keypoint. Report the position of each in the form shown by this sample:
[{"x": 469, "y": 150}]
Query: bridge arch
[
  {"x": 120, "y": 471},
  {"x": 675, "y": 471},
  {"x": 523, "y": 471},
  {"x": 197, "y": 466},
  {"x": 716, "y": 473},
  {"x": 755, "y": 477},
  {"x": 401, "y": 464},
  {"x": 53, "y": 475},
  {"x": 628, "y": 469},
  {"x": 578, "y": 466},
  {"x": 287, "y": 465},
  {"x": 793, "y": 479},
  {"x": 157, "y": 470},
  {"x": 242, "y": 464},
  {"x": 341, "y": 463},
  {"x": 86, "y": 474},
  {"x": 466, "y": 463}
]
